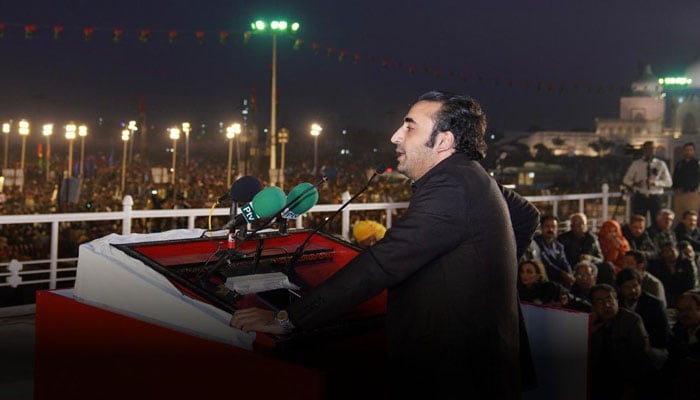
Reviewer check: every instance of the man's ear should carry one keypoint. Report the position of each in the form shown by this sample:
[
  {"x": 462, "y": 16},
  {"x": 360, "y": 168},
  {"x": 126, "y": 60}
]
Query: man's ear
[{"x": 445, "y": 141}]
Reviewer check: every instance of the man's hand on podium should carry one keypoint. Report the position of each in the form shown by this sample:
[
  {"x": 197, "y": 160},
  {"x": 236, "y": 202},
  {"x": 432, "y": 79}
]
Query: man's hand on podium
[{"x": 258, "y": 320}]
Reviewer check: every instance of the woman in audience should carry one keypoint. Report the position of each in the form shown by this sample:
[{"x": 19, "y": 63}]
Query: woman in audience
[
  {"x": 531, "y": 275},
  {"x": 613, "y": 243}
]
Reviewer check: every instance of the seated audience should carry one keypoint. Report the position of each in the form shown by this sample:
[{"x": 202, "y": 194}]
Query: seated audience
[
  {"x": 650, "y": 308},
  {"x": 661, "y": 231},
  {"x": 613, "y": 243},
  {"x": 639, "y": 239},
  {"x": 688, "y": 230},
  {"x": 683, "y": 365},
  {"x": 586, "y": 274},
  {"x": 579, "y": 243},
  {"x": 531, "y": 275},
  {"x": 675, "y": 272},
  {"x": 687, "y": 250},
  {"x": 606, "y": 273},
  {"x": 554, "y": 294},
  {"x": 636, "y": 260},
  {"x": 552, "y": 252},
  {"x": 619, "y": 347}
]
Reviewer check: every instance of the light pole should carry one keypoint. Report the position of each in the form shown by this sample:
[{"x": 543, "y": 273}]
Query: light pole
[
  {"x": 6, "y": 131},
  {"x": 70, "y": 135},
  {"x": 24, "y": 132},
  {"x": 125, "y": 140},
  {"x": 48, "y": 131},
  {"x": 275, "y": 28},
  {"x": 186, "y": 128},
  {"x": 132, "y": 128},
  {"x": 283, "y": 136},
  {"x": 315, "y": 131},
  {"x": 82, "y": 132},
  {"x": 231, "y": 132},
  {"x": 174, "y": 135}
]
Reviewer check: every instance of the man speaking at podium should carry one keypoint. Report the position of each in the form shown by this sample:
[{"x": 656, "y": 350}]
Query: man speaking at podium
[{"x": 449, "y": 265}]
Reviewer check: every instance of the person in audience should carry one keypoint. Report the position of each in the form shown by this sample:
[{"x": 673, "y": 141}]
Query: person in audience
[
  {"x": 688, "y": 230},
  {"x": 638, "y": 238},
  {"x": 661, "y": 231},
  {"x": 637, "y": 260},
  {"x": 619, "y": 348},
  {"x": 687, "y": 251},
  {"x": 554, "y": 294},
  {"x": 650, "y": 308},
  {"x": 586, "y": 274},
  {"x": 613, "y": 243},
  {"x": 686, "y": 178},
  {"x": 606, "y": 273},
  {"x": 552, "y": 252},
  {"x": 579, "y": 243},
  {"x": 367, "y": 232},
  {"x": 531, "y": 275},
  {"x": 683, "y": 365},
  {"x": 675, "y": 272}
]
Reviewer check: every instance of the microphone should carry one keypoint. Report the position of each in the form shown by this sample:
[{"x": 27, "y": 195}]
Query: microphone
[
  {"x": 263, "y": 205},
  {"x": 300, "y": 200},
  {"x": 242, "y": 190},
  {"x": 381, "y": 168}
]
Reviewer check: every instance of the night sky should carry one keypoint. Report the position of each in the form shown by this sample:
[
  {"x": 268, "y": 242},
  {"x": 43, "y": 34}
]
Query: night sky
[{"x": 550, "y": 64}]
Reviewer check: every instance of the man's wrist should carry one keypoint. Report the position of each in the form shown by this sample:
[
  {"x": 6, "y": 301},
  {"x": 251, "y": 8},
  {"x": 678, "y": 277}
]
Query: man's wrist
[{"x": 282, "y": 318}]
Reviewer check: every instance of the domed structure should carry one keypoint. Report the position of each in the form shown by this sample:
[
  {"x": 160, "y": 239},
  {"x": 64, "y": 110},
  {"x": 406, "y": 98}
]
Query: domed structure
[{"x": 647, "y": 85}]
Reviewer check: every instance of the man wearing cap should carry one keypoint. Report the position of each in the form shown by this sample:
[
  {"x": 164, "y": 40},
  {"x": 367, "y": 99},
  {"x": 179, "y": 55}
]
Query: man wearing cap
[
  {"x": 367, "y": 233},
  {"x": 647, "y": 177}
]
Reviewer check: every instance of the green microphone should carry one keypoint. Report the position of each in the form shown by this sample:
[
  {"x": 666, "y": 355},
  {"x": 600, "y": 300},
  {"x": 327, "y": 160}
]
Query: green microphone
[
  {"x": 300, "y": 200},
  {"x": 264, "y": 204}
]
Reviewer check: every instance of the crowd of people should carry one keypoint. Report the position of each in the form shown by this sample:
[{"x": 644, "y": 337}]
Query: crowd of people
[{"x": 639, "y": 282}]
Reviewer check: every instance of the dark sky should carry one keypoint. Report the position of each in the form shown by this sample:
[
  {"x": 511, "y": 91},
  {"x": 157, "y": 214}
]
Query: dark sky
[{"x": 579, "y": 53}]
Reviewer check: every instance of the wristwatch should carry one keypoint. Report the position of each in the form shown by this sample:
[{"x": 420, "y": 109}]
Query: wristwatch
[{"x": 282, "y": 317}]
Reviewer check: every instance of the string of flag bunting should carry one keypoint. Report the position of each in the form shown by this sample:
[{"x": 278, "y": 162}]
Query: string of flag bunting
[{"x": 144, "y": 35}]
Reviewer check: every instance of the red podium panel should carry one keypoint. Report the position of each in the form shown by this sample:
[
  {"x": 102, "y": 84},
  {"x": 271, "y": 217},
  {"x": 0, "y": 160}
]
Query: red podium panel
[{"x": 84, "y": 351}]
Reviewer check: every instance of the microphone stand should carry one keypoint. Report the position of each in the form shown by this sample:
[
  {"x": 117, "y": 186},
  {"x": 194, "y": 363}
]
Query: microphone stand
[{"x": 300, "y": 250}]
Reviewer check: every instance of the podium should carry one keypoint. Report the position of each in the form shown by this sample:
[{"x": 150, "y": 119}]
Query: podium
[{"x": 142, "y": 322}]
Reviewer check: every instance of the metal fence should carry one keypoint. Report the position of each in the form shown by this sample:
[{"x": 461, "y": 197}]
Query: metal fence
[{"x": 54, "y": 271}]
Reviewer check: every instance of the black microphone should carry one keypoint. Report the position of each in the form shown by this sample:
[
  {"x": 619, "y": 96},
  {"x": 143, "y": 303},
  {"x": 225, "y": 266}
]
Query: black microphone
[
  {"x": 381, "y": 168},
  {"x": 242, "y": 190}
]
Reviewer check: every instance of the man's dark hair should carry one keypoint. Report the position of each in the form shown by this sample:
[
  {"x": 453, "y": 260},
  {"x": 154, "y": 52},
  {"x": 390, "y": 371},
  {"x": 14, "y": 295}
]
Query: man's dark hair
[
  {"x": 690, "y": 212},
  {"x": 547, "y": 217},
  {"x": 552, "y": 292},
  {"x": 603, "y": 287},
  {"x": 639, "y": 257},
  {"x": 628, "y": 274},
  {"x": 462, "y": 116},
  {"x": 689, "y": 144}
]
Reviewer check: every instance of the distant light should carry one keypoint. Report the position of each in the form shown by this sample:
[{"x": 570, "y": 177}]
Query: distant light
[
  {"x": 259, "y": 25},
  {"x": 47, "y": 130},
  {"x": 675, "y": 80},
  {"x": 295, "y": 26},
  {"x": 493, "y": 136},
  {"x": 530, "y": 174},
  {"x": 283, "y": 25},
  {"x": 275, "y": 25}
]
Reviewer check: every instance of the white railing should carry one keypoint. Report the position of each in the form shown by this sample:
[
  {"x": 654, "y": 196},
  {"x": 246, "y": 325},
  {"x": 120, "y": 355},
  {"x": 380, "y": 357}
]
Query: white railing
[{"x": 17, "y": 271}]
